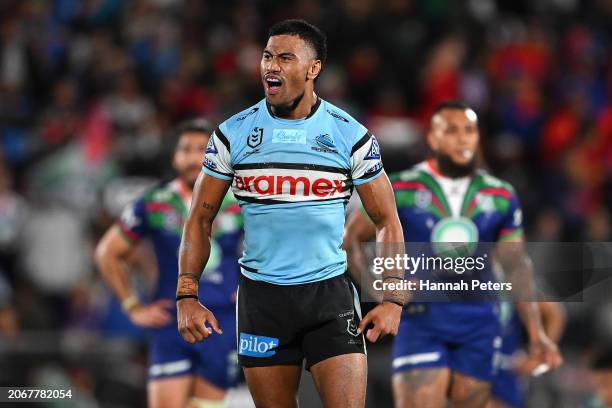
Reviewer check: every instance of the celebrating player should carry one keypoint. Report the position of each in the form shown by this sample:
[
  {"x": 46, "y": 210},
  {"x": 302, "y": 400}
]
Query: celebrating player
[
  {"x": 180, "y": 374},
  {"x": 447, "y": 349},
  {"x": 292, "y": 161}
]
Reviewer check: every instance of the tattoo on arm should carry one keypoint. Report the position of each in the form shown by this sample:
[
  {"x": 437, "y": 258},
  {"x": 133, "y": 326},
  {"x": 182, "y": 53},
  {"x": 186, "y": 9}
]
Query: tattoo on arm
[
  {"x": 208, "y": 206},
  {"x": 188, "y": 284}
]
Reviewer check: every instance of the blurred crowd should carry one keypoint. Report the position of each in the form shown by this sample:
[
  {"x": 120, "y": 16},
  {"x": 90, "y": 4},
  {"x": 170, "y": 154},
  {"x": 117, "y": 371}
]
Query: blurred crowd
[{"x": 91, "y": 89}]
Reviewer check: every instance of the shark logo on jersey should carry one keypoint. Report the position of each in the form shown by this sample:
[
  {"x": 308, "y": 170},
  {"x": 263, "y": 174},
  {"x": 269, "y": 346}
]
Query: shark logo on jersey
[
  {"x": 255, "y": 138},
  {"x": 211, "y": 148},
  {"x": 374, "y": 152},
  {"x": 325, "y": 144}
]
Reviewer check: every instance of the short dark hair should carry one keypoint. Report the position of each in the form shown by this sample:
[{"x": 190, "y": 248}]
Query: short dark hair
[
  {"x": 452, "y": 104},
  {"x": 311, "y": 34},
  {"x": 198, "y": 125}
]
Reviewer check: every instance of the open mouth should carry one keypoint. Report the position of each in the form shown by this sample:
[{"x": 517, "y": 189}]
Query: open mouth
[{"x": 273, "y": 84}]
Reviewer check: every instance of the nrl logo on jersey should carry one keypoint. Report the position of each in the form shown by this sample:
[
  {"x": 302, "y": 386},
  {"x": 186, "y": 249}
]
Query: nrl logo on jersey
[
  {"x": 255, "y": 138},
  {"x": 325, "y": 143}
]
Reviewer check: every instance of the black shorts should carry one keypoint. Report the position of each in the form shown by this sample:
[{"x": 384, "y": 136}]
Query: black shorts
[{"x": 285, "y": 324}]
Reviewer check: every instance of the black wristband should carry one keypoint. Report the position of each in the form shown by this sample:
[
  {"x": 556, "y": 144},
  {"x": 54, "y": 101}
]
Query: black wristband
[
  {"x": 179, "y": 297},
  {"x": 397, "y": 302}
]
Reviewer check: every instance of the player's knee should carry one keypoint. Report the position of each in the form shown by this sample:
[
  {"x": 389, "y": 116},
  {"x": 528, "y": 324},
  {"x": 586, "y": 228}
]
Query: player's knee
[{"x": 205, "y": 403}]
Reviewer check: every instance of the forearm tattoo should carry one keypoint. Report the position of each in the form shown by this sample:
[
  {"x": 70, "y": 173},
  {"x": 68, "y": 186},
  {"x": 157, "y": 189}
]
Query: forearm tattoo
[
  {"x": 207, "y": 206},
  {"x": 400, "y": 296},
  {"x": 187, "y": 284}
]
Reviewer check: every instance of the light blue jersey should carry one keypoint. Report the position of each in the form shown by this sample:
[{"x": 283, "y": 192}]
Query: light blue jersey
[{"x": 292, "y": 179}]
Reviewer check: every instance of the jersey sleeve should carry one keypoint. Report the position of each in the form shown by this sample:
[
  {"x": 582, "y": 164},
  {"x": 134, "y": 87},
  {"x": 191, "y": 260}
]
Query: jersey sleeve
[
  {"x": 366, "y": 163},
  {"x": 133, "y": 221},
  {"x": 217, "y": 161},
  {"x": 512, "y": 223}
]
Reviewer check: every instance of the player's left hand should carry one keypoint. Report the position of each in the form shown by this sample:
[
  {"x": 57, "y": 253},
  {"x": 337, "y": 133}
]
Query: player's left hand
[
  {"x": 385, "y": 318},
  {"x": 545, "y": 352}
]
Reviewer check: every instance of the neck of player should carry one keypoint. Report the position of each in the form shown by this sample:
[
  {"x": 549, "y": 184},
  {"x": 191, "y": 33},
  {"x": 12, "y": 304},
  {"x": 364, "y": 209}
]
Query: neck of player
[{"x": 299, "y": 108}]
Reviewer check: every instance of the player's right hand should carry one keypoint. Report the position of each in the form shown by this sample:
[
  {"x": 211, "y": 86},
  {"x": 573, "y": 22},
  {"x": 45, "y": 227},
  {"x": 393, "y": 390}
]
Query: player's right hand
[
  {"x": 192, "y": 317},
  {"x": 544, "y": 352},
  {"x": 153, "y": 315}
]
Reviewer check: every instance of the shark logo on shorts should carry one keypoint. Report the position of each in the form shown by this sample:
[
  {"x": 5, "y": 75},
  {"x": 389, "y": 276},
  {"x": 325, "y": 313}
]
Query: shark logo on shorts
[{"x": 257, "y": 346}]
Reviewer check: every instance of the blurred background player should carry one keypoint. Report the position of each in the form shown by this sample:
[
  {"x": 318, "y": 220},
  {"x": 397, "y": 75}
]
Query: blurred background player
[
  {"x": 180, "y": 374},
  {"x": 447, "y": 349},
  {"x": 514, "y": 365}
]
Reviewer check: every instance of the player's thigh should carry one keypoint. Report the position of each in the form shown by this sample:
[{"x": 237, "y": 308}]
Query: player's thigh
[
  {"x": 421, "y": 374},
  {"x": 341, "y": 380},
  {"x": 469, "y": 392},
  {"x": 274, "y": 386},
  {"x": 421, "y": 387},
  {"x": 169, "y": 392}
]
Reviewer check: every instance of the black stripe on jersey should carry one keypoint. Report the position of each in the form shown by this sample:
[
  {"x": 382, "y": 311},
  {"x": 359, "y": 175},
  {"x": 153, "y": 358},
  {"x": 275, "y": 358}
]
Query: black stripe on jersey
[
  {"x": 222, "y": 138},
  {"x": 272, "y": 201},
  {"x": 219, "y": 172},
  {"x": 248, "y": 268},
  {"x": 361, "y": 142},
  {"x": 291, "y": 166},
  {"x": 368, "y": 175}
]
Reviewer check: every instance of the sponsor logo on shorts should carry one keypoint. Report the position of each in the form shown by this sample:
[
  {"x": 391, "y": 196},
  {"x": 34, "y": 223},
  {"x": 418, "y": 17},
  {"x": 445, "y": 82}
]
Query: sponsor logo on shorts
[{"x": 257, "y": 346}]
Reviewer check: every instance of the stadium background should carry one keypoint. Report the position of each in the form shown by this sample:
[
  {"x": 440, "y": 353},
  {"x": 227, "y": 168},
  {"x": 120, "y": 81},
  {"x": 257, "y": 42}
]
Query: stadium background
[{"x": 89, "y": 91}]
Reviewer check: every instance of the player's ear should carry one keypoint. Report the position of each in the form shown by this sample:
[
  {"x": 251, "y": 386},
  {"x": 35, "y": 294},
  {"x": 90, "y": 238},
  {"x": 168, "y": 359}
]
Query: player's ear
[{"x": 314, "y": 70}]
